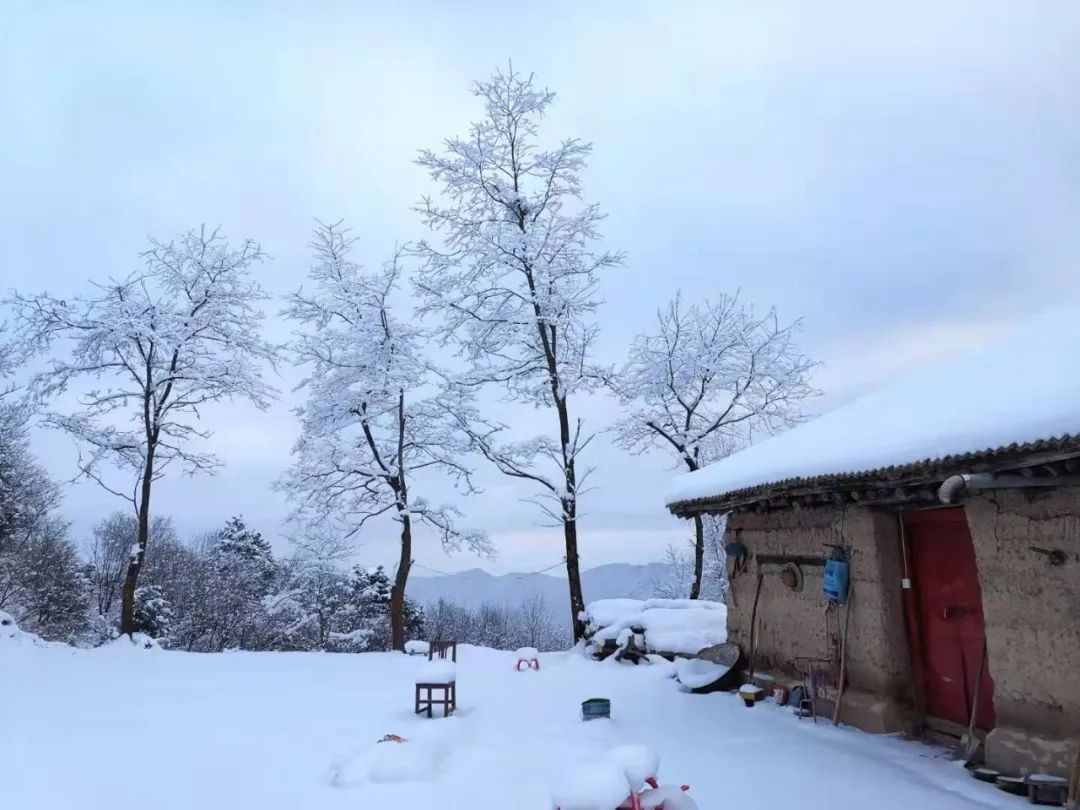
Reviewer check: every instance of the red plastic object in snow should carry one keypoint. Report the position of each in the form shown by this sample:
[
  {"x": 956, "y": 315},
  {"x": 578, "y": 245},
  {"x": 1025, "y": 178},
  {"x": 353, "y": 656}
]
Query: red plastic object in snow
[
  {"x": 527, "y": 663},
  {"x": 633, "y": 801}
]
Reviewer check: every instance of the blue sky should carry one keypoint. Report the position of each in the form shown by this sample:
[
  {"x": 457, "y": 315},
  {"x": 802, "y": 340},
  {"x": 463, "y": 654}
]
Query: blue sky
[{"x": 905, "y": 177}]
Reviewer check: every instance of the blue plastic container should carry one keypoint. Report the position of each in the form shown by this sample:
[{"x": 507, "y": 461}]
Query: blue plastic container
[
  {"x": 836, "y": 580},
  {"x": 595, "y": 708}
]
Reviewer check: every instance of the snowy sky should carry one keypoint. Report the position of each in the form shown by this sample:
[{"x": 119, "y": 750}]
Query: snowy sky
[{"x": 905, "y": 179}]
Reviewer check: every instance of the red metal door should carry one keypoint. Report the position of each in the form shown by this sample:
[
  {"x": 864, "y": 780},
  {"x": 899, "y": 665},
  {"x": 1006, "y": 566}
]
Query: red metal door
[{"x": 947, "y": 608}]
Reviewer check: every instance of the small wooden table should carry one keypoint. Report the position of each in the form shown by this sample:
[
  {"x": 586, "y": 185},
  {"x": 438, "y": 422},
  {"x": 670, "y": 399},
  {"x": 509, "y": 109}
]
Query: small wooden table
[{"x": 425, "y": 702}]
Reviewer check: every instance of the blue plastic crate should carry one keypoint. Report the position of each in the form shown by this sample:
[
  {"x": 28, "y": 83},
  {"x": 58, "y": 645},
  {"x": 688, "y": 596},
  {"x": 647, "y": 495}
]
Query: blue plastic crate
[{"x": 595, "y": 708}]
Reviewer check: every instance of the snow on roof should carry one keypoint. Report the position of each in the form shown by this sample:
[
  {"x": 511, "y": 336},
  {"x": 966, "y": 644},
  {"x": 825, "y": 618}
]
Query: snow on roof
[{"x": 1023, "y": 386}]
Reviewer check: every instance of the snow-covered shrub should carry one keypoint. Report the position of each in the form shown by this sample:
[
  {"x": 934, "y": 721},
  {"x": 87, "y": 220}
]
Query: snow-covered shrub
[{"x": 153, "y": 614}]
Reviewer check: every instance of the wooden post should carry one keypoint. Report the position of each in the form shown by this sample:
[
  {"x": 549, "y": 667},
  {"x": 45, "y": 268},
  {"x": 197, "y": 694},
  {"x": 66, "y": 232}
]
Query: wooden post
[
  {"x": 843, "y": 656},
  {"x": 1073, "y": 799}
]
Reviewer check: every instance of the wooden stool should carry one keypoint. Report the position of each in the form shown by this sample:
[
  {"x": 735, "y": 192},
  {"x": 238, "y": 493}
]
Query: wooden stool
[{"x": 448, "y": 699}]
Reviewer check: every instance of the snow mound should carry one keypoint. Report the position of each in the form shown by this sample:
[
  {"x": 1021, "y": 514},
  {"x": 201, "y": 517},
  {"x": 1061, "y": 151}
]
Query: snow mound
[
  {"x": 670, "y": 797},
  {"x": 412, "y": 761},
  {"x": 136, "y": 641},
  {"x": 437, "y": 672},
  {"x": 417, "y": 647},
  {"x": 953, "y": 407},
  {"x": 527, "y": 653},
  {"x": 597, "y": 786},
  {"x": 665, "y": 625},
  {"x": 695, "y": 673},
  {"x": 11, "y": 635},
  {"x": 421, "y": 757},
  {"x": 638, "y": 763}
]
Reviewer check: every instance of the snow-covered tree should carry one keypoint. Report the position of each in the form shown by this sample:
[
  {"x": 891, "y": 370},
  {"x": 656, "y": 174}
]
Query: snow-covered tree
[
  {"x": 242, "y": 574},
  {"x": 514, "y": 286},
  {"x": 314, "y": 602},
  {"x": 678, "y": 579},
  {"x": 27, "y": 495},
  {"x": 40, "y": 581},
  {"x": 27, "y": 500},
  {"x": 709, "y": 378},
  {"x": 533, "y": 625},
  {"x": 148, "y": 354},
  {"x": 373, "y": 419},
  {"x": 183, "y": 576},
  {"x": 153, "y": 613},
  {"x": 530, "y": 624},
  {"x": 113, "y": 539},
  {"x": 51, "y": 597}
]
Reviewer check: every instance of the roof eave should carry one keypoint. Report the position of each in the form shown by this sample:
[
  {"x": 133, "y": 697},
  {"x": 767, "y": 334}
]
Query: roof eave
[{"x": 911, "y": 484}]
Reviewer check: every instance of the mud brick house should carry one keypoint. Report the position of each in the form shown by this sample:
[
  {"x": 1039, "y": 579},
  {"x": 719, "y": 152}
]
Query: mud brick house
[{"x": 955, "y": 493}]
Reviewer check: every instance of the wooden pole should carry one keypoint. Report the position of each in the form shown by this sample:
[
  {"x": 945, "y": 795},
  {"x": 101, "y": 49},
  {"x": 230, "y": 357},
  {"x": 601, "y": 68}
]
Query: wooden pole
[
  {"x": 1072, "y": 802},
  {"x": 969, "y": 745},
  {"x": 753, "y": 626},
  {"x": 843, "y": 657}
]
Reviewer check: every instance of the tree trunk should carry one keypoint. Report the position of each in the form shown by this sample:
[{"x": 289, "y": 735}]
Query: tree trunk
[
  {"x": 397, "y": 592},
  {"x": 573, "y": 576},
  {"x": 569, "y": 505},
  {"x": 699, "y": 557},
  {"x": 136, "y": 556}
]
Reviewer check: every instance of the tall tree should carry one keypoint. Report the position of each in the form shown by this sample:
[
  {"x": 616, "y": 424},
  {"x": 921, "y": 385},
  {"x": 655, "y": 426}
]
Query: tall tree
[
  {"x": 373, "y": 418},
  {"x": 514, "y": 287},
  {"x": 710, "y": 377},
  {"x": 147, "y": 354}
]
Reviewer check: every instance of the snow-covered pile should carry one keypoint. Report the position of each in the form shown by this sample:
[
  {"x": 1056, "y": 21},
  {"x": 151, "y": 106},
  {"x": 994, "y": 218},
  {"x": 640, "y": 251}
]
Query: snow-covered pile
[
  {"x": 590, "y": 786},
  {"x": 696, "y": 673},
  {"x": 683, "y": 626},
  {"x": 417, "y": 647},
  {"x": 608, "y": 780},
  {"x": 960, "y": 405}
]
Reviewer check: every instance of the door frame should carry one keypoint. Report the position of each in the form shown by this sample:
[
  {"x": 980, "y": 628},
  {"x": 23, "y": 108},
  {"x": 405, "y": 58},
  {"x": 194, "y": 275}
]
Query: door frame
[{"x": 916, "y": 644}]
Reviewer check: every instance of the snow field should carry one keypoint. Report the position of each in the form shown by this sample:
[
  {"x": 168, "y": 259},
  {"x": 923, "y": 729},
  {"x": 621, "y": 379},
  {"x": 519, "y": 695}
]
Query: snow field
[{"x": 100, "y": 729}]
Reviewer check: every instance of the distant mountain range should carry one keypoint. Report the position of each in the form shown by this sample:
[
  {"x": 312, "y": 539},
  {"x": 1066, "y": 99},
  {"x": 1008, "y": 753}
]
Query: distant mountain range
[{"x": 475, "y": 587}]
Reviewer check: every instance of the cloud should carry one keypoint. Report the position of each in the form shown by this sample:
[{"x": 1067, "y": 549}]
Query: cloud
[{"x": 903, "y": 178}]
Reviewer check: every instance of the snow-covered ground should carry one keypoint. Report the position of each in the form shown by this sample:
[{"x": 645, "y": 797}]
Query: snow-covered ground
[{"x": 128, "y": 729}]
